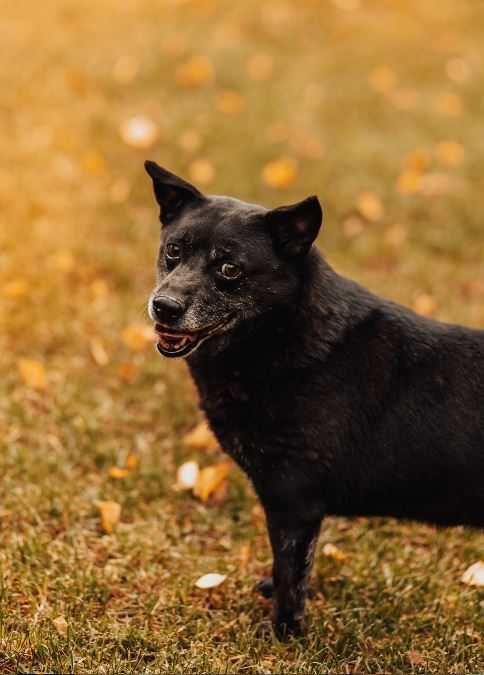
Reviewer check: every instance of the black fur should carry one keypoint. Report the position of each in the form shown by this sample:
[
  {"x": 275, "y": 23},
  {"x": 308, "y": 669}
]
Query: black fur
[{"x": 333, "y": 400}]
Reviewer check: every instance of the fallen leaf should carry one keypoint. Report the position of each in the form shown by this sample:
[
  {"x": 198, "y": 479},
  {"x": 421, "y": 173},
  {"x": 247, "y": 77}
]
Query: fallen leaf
[
  {"x": 33, "y": 373},
  {"x": 138, "y": 336},
  {"x": 229, "y": 101},
  {"x": 245, "y": 553},
  {"x": 409, "y": 181},
  {"x": 64, "y": 261},
  {"x": 259, "y": 67},
  {"x": 187, "y": 475},
  {"x": 128, "y": 372},
  {"x": 60, "y": 624},
  {"x": 280, "y": 173},
  {"x": 16, "y": 288},
  {"x": 210, "y": 479},
  {"x": 474, "y": 575},
  {"x": 370, "y": 206},
  {"x": 196, "y": 72},
  {"x": 118, "y": 472},
  {"x": 383, "y": 79},
  {"x": 98, "y": 352},
  {"x": 110, "y": 514},
  {"x": 99, "y": 288},
  {"x": 418, "y": 160},
  {"x": 93, "y": 162},
  {"x": 210, "y": 580},
  {"x": 139, "y": 132},
  {"x": 201, "y": 438},
  {"x": 332, "y": 551},
  {"x": 449, "y": 104},
  {"x": 450, "y": 153},
  {"x": 201, "y": 171},
  {"x": 425, "y": 304},
  {"x": 132, "y": 461}
]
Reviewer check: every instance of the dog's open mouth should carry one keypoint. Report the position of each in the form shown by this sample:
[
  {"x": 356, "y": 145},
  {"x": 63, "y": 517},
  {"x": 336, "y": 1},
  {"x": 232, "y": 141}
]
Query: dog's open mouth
[{"x": 173, "y": 343}]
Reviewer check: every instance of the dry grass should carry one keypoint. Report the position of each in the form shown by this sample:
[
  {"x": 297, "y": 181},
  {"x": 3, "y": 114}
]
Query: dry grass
[{"x": 77, "y": 243}]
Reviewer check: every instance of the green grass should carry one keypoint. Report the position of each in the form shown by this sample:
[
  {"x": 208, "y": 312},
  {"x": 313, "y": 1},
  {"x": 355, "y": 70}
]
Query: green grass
[{"x": 396, "y": 604}]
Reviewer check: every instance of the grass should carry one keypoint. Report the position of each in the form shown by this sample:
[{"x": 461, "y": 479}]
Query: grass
[{"x": 78, "y": 236}]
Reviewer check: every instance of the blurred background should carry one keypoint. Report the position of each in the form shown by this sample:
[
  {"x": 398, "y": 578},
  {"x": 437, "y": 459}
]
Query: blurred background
[{"x": 374, "y": 105}]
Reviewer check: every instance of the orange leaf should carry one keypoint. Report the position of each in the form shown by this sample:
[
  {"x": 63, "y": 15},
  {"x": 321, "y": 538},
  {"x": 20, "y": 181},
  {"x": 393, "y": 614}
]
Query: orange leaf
[
  {"x": 370, "y": 206},
  {"x": 110, "y": 514},
  {"x": 118, "y": 472},
  {"x": 230, "y": 101},
  {"x": 16, "y": 288},
  {"x": 280, "y": 173},
  {"x": 98, "y": 352},
  {"x": 196, "y": 72},
  {"x": 424, "y": 304},
  {"x": 132, "y": 461},
  {"x": 201, "y": 438},
  {"x": 332, "y": 551},
  {"x": 32, "y": 373},
  {"x": 450, "y": 153},
  {"x": 449, "y": 104},
  {"x": 210, "y": 479},
  {"x": 128, "y": 372},
  {"x": 383, "y": 79}
]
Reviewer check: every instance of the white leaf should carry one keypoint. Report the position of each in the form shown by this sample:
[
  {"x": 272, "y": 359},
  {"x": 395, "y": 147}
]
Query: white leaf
[
  {"x": 474, "y": 575},
  {"x": 210, "y": 580},
  {"x": 187, "y": 475}
]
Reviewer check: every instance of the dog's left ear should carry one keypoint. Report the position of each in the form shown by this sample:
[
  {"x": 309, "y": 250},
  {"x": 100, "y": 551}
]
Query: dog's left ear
[
  {"x": 172, "y": 192},
  {"x": 295, "y": 227}
]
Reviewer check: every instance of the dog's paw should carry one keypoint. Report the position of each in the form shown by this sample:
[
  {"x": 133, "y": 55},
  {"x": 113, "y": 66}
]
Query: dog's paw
[
  {"x": 265, "y": 587},
  {"x": 286, "y": 627}
]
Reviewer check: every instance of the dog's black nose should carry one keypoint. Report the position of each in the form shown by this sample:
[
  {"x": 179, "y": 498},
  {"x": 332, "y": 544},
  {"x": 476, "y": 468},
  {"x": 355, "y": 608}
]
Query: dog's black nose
[{"x": 167, "y": 309}]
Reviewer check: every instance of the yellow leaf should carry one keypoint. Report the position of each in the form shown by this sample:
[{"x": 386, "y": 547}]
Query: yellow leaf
[
  {"x": 383, "y": 79},
  {"x": 196, "y": 72},
  {"x": 63, "y": 261},
  {"x": 138, "y": 336},
  {"x": 32, "y": 373},
  {"x": 60, "y": 624},
  {"x": 139, "y": 132},
  {"x": 229, "y": 101},
  {"x": 98, "y": 352},
  {"x": 449, "y": 104},
  {"x": 370, "y": 206},
  {"x": 450, "y": 153},
  {"x": 409, "y": 181},
  {"x": 210, "y": 479},
  {"x": 186, "y": 476},
  {"x": 260, "y": 67},
  {"x": 16, "y": 288},
  {"x": 210, "y": 580},
  {"x": 132, "y": 461},
  {"x": 417, "y": 161},
  {"x": 332, "y": 551},
  {"x": 128, "y": 372},
  {"x": 201, "y": 171},
  {"x": 201, "y": 438},
  {"x": 93, "y": 162},
  {"x": 99, "y": 288},
  {"x": 110, "y": 514},
  {"x": 474, "y": 575},
  {"x": 424, "y": 304},
  {"x": 118, "y": 472},
  {"x": 280, "y": 173}
]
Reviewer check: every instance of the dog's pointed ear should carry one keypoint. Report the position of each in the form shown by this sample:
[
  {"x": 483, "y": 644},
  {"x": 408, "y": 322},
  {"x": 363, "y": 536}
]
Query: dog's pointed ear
[
  {"x": 295, "y": 227},
  {"x": 172, "y": 193}
]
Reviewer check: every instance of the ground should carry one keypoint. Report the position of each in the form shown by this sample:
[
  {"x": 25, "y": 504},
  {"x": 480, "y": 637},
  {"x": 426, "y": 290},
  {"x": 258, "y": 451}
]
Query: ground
[{"x": 373, "y": 105}]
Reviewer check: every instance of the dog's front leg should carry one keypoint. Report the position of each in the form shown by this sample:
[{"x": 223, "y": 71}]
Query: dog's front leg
[{"x": 293, "y": 542}]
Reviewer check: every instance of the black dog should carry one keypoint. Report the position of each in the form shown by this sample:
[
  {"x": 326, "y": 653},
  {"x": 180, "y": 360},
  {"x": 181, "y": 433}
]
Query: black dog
[{"x": 333, "y": 401}]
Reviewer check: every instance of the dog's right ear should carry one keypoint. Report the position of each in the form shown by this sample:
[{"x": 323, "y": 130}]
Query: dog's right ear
[{"x": 172, "y": 193}]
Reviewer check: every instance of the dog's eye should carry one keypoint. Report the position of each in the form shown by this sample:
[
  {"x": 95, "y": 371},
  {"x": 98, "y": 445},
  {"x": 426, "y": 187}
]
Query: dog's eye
[
  {"x": 172, "y": 255},
  {"x": 230, "y": 271}
]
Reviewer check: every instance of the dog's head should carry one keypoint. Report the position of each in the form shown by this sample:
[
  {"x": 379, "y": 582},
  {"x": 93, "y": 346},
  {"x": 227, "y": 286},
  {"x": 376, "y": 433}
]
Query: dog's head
[{"x": 223, "y": 263}]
